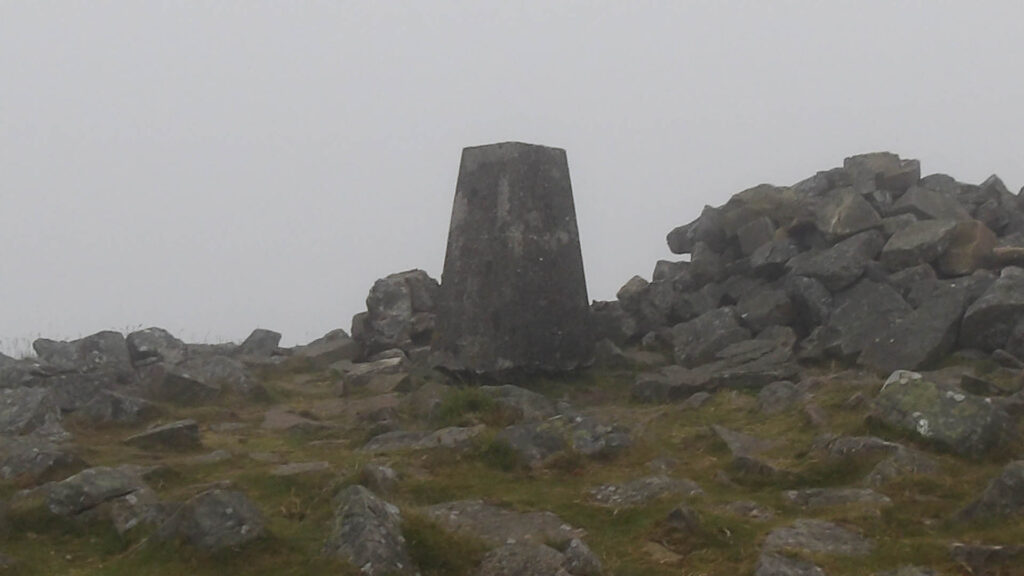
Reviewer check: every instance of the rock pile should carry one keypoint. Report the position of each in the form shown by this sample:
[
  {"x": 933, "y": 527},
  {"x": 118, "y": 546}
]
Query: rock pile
[{"x": 867, "y": 263}]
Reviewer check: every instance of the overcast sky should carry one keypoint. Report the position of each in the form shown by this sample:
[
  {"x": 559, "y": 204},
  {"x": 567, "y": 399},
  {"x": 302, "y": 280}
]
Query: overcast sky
[{"x": 211, "y": 167}]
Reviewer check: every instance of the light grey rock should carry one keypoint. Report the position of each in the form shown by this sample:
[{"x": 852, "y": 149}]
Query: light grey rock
[
  {"x": 261, "y": 342},
  {"x": 105, "y": 350},
  {"x": 154, "y": 345},
  {"x": 698, "y": 341},
  {"x": 223, "y": 372},
  {"x": 216, "y": 520},
  {"x": 497, "y": 526},
  {"x": 818, "y": 537},
  {"x": 644, "y": 490},
  {"x": 111, "y": 407},
  {"x": 845, "y": 212},
  {"x": 769, "y": 564},
  {"x": 172, "y": 384},
  {"x": 335, "y": 346},
  {"x": 778, "y": 397},
  {"x": 989, "y": 321},
  {"x": 861, "y": 315},
  {"x": 928, "y": 204},
  {"x": 830, "y": 497},
  {"x": 25, "y": 410},
  {"x": 706, "y": 229},
  {"x": 944, "y": 415},
  {"x": 765, "y": 308},
  {"x": 367, "y": 532},
  {"x": 522, "y": 559},
  {"x": 514, "y": 294},
  {"x": 526, "y": 405},
  {"x": 90, "y": 488},
  {"x": 841, "y": 265},
  {"x": 903, "y": 462},
  {"x": 32, "y": 461}
]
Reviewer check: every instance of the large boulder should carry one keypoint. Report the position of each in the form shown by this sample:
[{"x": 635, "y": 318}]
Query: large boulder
[
  {"x": 90, "y": 488},
  {"x": 25, "y": 410},
  {"x": 942, "y": 414},
  {"x": 818, "y": 537},
  {"x": 844, "y": 213},
  {"x": 367, "y": 532},
  {"x": 106, "y": 350},
  {"x": 154, "y": 345},
  {"x": 400, "y": 312},
  {"x": 706, "y": 229},
  {"x": 918, "y": 243},
  {"x": 970, "y": 248},
  {"x": 861, "y": 315},
  {"x": 928, "y": 204},
  {"x": 215, "y": 520},
  {"x": 989, "y": 322},
  {"x": 334, "y": 346},
  {"x": 883, "y": 170},
  {"x": 922, "y": 339},
  {"x": 260, "y": 343}
]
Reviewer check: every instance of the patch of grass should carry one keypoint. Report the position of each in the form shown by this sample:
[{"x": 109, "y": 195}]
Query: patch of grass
[
  {"x": 468, "y": 407},
  {"x": 440, "y": 553},
  {"x": 500, "y": 455}
]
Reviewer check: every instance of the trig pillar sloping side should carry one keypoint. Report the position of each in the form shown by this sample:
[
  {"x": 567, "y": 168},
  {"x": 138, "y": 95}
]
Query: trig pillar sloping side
[{"x": 513, "y": 292}]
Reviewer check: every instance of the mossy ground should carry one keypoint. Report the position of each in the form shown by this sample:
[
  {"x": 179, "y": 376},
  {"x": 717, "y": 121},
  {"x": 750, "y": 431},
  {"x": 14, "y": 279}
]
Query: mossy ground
[{"x": 631, "y": 541}]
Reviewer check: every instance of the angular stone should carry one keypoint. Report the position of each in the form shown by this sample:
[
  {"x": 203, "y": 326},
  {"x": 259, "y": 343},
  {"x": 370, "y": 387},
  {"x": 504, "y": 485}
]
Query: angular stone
[
  {"x": 513, "y": 294},
  {"x": 989, "y": 322},
  {"x": 644, "y": 490},
  {"x": 818, "y": 537},
  {"x": 261, "y": 342},
  {"x": 965, "y": 424},
  {"x": 111, "y": 407},
  {"x": 334, "y": 346},
  {"x": 902, "y": 462},
  {"x": 497, "y": 526},
  {"x": 180, "y": 435},
  {"x": 172, "y": 384},
  {"x": 25, "y": 410},
  {"x": 918, "y": 243},
  {"x": 522, "y": 559},
  {"x": 696, "y": 342},
  {"x": 755, "y": 234},
  {"x": 367, "y": 532},
  {"x": 845, "y": 213},
  {"x": 922, "y": 339},
  {"x": 778, "y": 397},
  {"x": 400, "y": 312},
  {"x": 154, "y": 345},
  {"x": 841, "y": 265},
  {"x": 105, "y": 349},
  {"x": 90, "y": 488},
  {"x": 928, "y": 204},
  {"x": 894, "y": 224},
  {"x": 970, "y": 248},
  {"x": 30, "y": 461},
  {"x": 764, "y": 308},
  {"x": 830, "y": 497},
  {"x": 706, "y": 229},
  {"x": 1003, "y": 497},
  {"x": 861, "y": 315},
  {"x": 775, "y": 565},
  {"x": 884, "y": 170},
  {"x": 668, "y": 270},
  {"x": 216, "y": 520},
  {"x": 769, "y": 260},
  {"x": 987, "y": 560},
  {"x": 812, "y": 302}
]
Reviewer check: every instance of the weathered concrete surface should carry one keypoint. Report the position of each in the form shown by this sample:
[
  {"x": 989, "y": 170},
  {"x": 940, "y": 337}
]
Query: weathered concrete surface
[{"x": 513, "y": 292}]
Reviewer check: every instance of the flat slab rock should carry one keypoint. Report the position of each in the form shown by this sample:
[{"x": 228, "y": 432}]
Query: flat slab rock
[
  {"x": 215, "y": 520},
  {"x": 527, "y": 559},
  {"x": 450, "y": 437},
  {"x": 180, "y": 435},
  {"x": 498, "y": 526},
  {"x": 644, "y": 490},
  {"x": 818, "y": 537},
  {"x": 829, "y": 497},
  {"x": 770, "y": 564}
]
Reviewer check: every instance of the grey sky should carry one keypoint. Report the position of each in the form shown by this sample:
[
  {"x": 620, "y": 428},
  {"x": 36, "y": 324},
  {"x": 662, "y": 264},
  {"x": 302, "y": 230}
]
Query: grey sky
[{"x": 210, "y": 167}]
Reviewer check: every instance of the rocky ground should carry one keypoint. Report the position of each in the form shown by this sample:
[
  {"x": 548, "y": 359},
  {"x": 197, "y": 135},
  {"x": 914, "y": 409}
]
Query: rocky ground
[{"x": 304, "y": 462}]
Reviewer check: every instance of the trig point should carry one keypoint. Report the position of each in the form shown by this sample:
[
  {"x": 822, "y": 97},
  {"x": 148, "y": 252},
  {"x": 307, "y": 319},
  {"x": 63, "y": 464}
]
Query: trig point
[{"x": 513, "y": 293}]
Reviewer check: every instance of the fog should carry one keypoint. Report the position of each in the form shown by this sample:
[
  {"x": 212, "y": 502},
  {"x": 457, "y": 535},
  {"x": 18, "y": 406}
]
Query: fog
[{"x": 215, "y": 167}]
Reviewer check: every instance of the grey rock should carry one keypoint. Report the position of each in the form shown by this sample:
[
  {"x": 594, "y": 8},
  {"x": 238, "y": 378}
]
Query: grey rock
[
  {"x": 861, "y": 314},
  {"x": 918, "y": 243},
  {"x": 818, "y": 537},
  {"x": 706, "y": 229},
  {"x": 591, "y": 437},
  {"x": 522, "y": 559},
  {"x": 922, "y": 339},
  {"x": 755, "y": 234},
  {"x": 812, "y": 302},
  {"x": 299, "y": 468},
  {"x": 172, "y": 384},
  {"x": 750, "y": 510},
  {"x": 216, "y": 520},
  {"x": 180, "y": 435},
  {"x": 910, "y": 571},
  {"x": 928, "y": 204},
  {"x": 884, "y": 170},
  {"x": 747, "y": 459},
  {"x": 105, "y": 349},
  {"x": 497, "y": 526},
  {"x": 514, "y": 294},
  {"x": 696, "y": 342},
  {"x": 225, "y": 373},
  {"x": 379, "y": 478},
  {"x": 580, "y": 560},
  {"x": 902, "y": 462},
  {"x": 112, "y": 407},
  {"x": 644, "y": 490},
  {"x": 769, "y": 564},
  {"x": 778, "y": 397},
  {"x": 154, "y": 345},
  {"x": 907, "y": 279},
  {"x": 970, "y": 248},
  {"x": 764, "y": 308},
  {"x": 25, "y": 410},
  {"x": 90, "y": 488},
  {"x": 261, "y": 342},
  {"x": 964, "y": 424},
  {"x": 894, "y": 224},
  {"x": 366, "y": 531},
  {"x": 845, "y": 213},
  {"x": 670, "y": 384},
  {"x": 829, "y": 497},
  {"x": 989, "y": 321},
  {"x": 841, "y": 265},
  {"x": 684, "y": 519},
  {"x": 1003, "y": 497},
  {"x": 335, "y": 346},
  {"x": 769, "y": 260},
  {"x": 133, "y": 510},
  {"x": 31, "y": 461},
  {"x": 524, "y": 404},
  {"x": 399, "y": 440},
  {"x": 534, "y": 442},
  {"x": 668, "y": 270},
  {"x": 858, "y": 447},
  {"x": 280, "y": 419}
]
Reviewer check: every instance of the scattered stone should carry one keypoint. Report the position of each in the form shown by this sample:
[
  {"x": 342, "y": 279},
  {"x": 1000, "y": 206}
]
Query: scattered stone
[
  {"x": 215, "y": 457},
  {"x": 644, "y": 490},
  {"x": 215, "y": 520},
  {"x": 818, "y": 537},
  {"x": 451, "y": 437},
  {"x": 180, "y": 435},
  {"x": 113, "y": 407},
  {"x": 534, "y": 442},
  {"x": 103, "y": 350},
  {"x": 750, "y": 510},
  {"x": 964, "y": 424},
  {"x": 521, "y": 559},
  {"x": 367, "y": 532},
  {"x": 746, "y": 454},
  {"x": 903, "y": 462},
  {"x": 224, "y": 372},
  {"x": 280, "y": 419},
  {"x": 297, "y": 468},
  {"x": 90, "y": 488},
  {"x": 497, "y": 526},
  {"x": 987, "y": 560},
  {"x": 1003, "y": 497},
  {"x": 31, "y": 461},
  {"x": 829, "y": 497}
]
